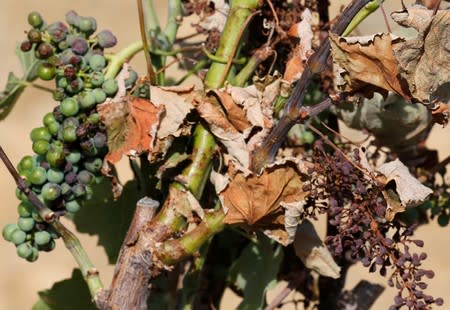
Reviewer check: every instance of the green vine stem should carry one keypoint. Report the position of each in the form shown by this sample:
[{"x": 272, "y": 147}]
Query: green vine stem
[
  {"x": 90, "y": 273},
  {"x": 116, "y": 61}
]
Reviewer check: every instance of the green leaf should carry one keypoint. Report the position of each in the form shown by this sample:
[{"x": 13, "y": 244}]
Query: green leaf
[
  {"x": 15, "y": 86},
  {"x": 69, "y": 294},
  {"x": 106, "y": 218},
  {"x": 255, "y": 272}
]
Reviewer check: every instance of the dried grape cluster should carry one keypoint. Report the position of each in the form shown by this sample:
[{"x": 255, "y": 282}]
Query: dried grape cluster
[
  {"x": 356, "y": 211},
  {"x": 70, "y": 146}
]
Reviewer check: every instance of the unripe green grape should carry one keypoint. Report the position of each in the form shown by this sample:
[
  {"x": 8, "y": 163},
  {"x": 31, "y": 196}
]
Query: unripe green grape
[
  {"x": 71, "y": 122},
  {"x": 99, "y": 94},
  {"x": 51, "y": 191},
  {"x": 18, "y": 237},
  {"x": 307, "y": 137},
  {"x": 69, "y": 107},
  {"x": 34, "y": 256},
  {"x": 27, "y": 163},
  {"x": 25, "y": 223},
  {"x": 62, "y": 82},
  {"x": 19, "y": 194},
  {"x": 93, "y": 165},
  {"x": 55, "y": 175},
  {"x": 36, "y": 217},
  {"x": 110, "y": 87},
  {"x": 55, "y": 157},
  {"x": 70, "y": 134},
  {"x": 24, "y": 250},
  {"x": 63, "y": 45},
  {"x": 47, "y": 247},
  {"x": 42, "y": 237},
  {"x": 8, "y": 230},
  {"x": 40, "y": 133},
  {"x": 73, "y": 157},
  {"x": 53, "y": 128},
  {"x": 85, "y": 177},
  {"x": 58, "y": 94},
  {"x": 34, "y": 36},
  {"x": 93, "y": 118},
  {"x": 132, "y": 78},
  {"x": 87, "y": 24},
  {"x": 24, "y": 209},
  {"x": 35, "y": 19},
  {"x": 79, "y": 190},
  {"x": 86, "y": 100},
  {"x": 48, "y": 119},
  {"x": 38, "y": 176},
  {"x": 40, "y": 147},
  {"x": 46, "y": 71},
  {"x": 97, "y": 78},
  {"x": 72, "y": 206},
  {"x": 97, "y": 62}
]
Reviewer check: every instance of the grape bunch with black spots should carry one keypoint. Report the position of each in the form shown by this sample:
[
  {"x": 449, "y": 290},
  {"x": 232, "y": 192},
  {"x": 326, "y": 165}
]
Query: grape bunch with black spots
[{"x": 70, "y": 144}]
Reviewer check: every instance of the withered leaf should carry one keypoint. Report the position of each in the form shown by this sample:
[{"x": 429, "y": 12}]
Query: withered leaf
[
  {"x": 131, "y": 126},
  {"x": 368, "y": 64},
  {"x": 313, "y": 253},
  {"x": 407, "y": 192},
  {"x": 235, "y": 114},
  {"x": 257, "y": 200}
]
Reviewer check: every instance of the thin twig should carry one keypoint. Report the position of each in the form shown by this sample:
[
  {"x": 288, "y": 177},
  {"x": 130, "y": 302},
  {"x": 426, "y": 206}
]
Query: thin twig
[
  {"x": 386, "y": 20},
  {"x": 276, "y": 302},
  {"x": 150, "y": 72}
]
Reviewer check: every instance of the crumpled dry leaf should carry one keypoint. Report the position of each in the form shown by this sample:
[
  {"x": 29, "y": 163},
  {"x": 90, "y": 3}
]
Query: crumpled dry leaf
[
  {"x": 219, "y": 18},
  {"x": 131, "y": 126},
  {"x": 402, "y": 189},
  {"x": 257, "y": 200},
  {"x": 303, "y": 31},
  {"x": 416, "y": 69},
  {"x": 313, "y": 253}
]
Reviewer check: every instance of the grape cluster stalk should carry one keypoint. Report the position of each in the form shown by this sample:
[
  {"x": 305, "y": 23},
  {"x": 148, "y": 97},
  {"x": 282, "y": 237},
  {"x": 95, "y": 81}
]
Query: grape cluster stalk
[{"x": 70, "y": 145}]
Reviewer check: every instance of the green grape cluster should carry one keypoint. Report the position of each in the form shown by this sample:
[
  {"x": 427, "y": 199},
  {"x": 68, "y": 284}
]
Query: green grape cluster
[{"x": 70, "y": 145}]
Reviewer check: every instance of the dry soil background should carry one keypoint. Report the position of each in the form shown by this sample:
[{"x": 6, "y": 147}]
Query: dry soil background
[{"x": 20, "y": 280}]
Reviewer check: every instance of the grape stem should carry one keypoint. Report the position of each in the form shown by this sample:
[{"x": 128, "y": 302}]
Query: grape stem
[
  {"x": 37, "y": 86},
  {"x": 90, "y": 273},
  {"x": 116, "y": 61}
]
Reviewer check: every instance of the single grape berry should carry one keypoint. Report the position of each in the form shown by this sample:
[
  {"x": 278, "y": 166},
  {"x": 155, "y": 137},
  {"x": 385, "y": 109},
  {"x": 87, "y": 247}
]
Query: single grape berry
[
  {"x": 35, "y": 19},
  {"x": 99, "y": 94},
  {"x": 100, "y": 140},
  {"x": 85, "y": 177},
  {"x": 26, "y": 223},
  {"x": 97, "y": 62},
  {"x": 44, "y": 50},
  {"x": 40, "y": 133},
  {"x": 53, "y": 128},
  {"x": 18, "y": 237},
  {"x": 8, "y": 230},
  {"x": 46, "y": 71},
  {"x": 69, "y": 107},
  {"x": 48, "y": 118},
  {"x": 34, "y": 36},
  {"x": 131, "y": 79},
  {"x": 24, "y": 250},
  {"x": 25, "y": 46},
  {"x": 70, "y": 134},
  {"x": 106, "y": 39},
  {"x": 79, "y": 190},
  {"x": 87, "y": 24},
  {"x": 48, "y": 246},
  {"x": 86, "y": 100},
  {"x": 57, "y": 31},
  {"x": 79, "y": 46},
  {"x": 72, "y": 18},
  {"x": 93, "y": 118},
  {"x": 24, "y": 209},
  {"x": 75, "y": 86},
  {"x": 93, "y": 165},
  {"x": 40, "y": 147},
  {"x": 72, "y": 206},
  {"x": 73, "y": 157},
  {"x": 51, "y": 191},
  {"x": 42, "y": 237},
  {"x": 66, "y": 56},
  {"x": 27, "y": 163},
  {"x": 34, "y": 256},
  {"x": 110, "y": 87},
  {"x": 55, "y": 156}
]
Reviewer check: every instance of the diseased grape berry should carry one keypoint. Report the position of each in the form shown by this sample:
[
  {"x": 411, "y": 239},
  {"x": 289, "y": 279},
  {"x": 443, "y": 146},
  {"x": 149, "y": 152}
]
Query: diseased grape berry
[
  {"x": 57, "y": 31},
  {"x": 44, "y": 50},
  {"x": 25, "y": 46},
  {"x": 34, "y": 36},
  {"x": 35, "y": 19}
]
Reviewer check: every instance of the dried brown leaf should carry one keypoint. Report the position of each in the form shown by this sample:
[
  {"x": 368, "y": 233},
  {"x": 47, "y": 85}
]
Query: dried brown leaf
[
  {"x": 131, "y": 126},
  {"x": 257, "y": 200},
  {"x": 235, "y": 114},
  {"x": 313, "y": 253}
]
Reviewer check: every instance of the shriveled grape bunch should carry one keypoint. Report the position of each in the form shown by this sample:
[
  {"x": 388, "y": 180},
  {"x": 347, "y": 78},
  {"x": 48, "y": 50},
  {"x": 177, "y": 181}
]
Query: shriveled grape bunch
[{"x": 70, "y": 145}]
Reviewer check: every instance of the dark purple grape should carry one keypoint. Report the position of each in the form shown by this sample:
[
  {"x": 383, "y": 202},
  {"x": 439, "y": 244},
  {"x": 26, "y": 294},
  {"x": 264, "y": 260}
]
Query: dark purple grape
[
  {"x": 57, "y": 31},
  {"x": 44, "y": 50},
  {"x": 79, "y": 46},
  {"x": 106, "y": 39},
  {"x": 25, "y": 46}
]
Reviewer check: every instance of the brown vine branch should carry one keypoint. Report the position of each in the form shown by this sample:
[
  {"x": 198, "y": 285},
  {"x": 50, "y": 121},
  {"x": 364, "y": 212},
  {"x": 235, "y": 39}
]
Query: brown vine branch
[{"x": 315, "y": 64}]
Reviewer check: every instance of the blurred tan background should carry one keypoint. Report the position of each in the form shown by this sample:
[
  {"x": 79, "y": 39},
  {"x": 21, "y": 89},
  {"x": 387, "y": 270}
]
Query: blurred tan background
[{"x": 20, "y": 280}]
